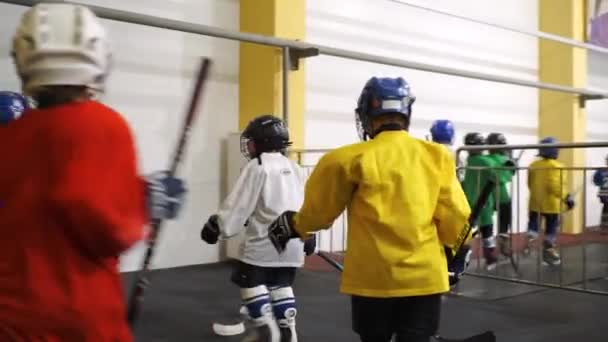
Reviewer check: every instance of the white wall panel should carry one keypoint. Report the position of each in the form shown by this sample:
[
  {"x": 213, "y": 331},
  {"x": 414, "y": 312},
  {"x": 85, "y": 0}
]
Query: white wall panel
[
  {"x": 394, "y": 30},
  {"x": 151, "y": 85}
]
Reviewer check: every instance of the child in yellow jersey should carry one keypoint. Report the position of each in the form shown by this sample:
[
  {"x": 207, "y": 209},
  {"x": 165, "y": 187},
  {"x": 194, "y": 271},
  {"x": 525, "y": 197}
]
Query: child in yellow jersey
[
  {"x": 547, "y": 194},
  {"x": 404, "y": 204}
]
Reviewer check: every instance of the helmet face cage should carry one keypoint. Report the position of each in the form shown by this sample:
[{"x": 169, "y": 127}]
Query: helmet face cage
[
  {"x": 362, "y": 118},
  {"x": 361, "y": 131},
  {"x": 244, "y": 147}
]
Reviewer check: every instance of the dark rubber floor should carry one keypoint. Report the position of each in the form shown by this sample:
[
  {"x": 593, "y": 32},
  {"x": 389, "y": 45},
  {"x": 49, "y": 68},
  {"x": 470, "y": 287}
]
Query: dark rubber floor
[{"x": 182, "y": 303}]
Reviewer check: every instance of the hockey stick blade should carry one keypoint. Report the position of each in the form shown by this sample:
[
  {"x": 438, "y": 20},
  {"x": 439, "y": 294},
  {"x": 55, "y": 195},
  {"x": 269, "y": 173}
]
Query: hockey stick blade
[
  {"x": 228, "y": 329},
  {"x": 487, "y": 336},
  {"x": 137, "y": 294}
]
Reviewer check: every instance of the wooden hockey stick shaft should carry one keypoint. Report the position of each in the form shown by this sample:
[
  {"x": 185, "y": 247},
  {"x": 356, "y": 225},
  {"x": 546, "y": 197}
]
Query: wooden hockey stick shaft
[{"x": 141, "y": 283}]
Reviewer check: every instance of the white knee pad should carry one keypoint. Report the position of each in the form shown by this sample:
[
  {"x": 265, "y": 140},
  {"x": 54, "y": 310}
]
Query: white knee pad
[
  {"x": 257, "y": 306},
  {"x": 257, "y": 301},
  {"x": 284, "y": 305}
]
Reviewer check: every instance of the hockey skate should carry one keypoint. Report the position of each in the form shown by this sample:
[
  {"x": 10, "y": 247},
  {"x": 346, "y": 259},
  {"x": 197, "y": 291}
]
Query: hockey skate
[
  {"x": 264, "y": 329},
  {"x": 551, "y": 256}
]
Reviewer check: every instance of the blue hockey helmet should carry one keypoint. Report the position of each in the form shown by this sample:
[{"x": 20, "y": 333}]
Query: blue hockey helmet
[
  {"x": 382, "y": 95},
  {"x": 442, "y": 132},
  {"x": 12, "y": 105},
  {"x": 548, "y": 152}
]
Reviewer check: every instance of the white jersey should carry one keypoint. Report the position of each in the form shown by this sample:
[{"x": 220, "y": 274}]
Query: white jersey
[{"x": 262, "y": 192}]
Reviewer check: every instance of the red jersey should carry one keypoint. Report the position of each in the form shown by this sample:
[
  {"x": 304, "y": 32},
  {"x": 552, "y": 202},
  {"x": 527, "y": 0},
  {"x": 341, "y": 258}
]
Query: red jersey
[{"x": 71, "y": 201}]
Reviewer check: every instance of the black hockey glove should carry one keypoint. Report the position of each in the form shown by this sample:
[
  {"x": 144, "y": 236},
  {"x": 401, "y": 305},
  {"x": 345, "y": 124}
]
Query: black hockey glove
[
  {"x": 569, "y": 201},
  {"x": 510, "y": 163},
  {"x": 310, "y": 245},
  {"x": 211, "y": 230},
  {"x": 282, "y": 230},
  {"x": 459, "y": 263}
]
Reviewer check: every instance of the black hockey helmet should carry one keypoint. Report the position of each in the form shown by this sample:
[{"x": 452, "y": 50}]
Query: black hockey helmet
[
  {"x": 496, "y": 139},
  {"x": 474, "y": 138},
  {"x": 268, "y": 134}
]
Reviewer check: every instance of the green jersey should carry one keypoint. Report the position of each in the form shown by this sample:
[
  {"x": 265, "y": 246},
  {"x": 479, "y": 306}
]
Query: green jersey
[
  {"x": 504, "y": 176},
  {"x": 478, "y": 172}
]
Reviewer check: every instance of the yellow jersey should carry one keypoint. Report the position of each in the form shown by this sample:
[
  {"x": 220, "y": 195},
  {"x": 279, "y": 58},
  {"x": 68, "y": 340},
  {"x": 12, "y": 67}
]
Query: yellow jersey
[
  {"x": 547, "y": 185},
  {"x": 404, "y": 203}
]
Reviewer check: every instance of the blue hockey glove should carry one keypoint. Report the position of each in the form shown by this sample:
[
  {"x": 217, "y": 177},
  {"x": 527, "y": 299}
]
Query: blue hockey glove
[
  {"x": 310, "y": 245},
  {"x": 569, "y": 200},
  {"x": 164, "y": 195},
  {"x": 211, "y": 231},
  {"x": 459, "y": 264},
  {"x": 282, "y": 230}
]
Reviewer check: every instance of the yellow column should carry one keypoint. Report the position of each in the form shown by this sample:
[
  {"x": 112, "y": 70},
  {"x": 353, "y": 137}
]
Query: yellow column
[
  {"x": 560, "y": 114},
  {"x": 260, "y": 69}
]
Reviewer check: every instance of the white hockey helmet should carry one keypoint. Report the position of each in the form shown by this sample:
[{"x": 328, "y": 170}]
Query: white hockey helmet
[{"x": 61, "y": 44}]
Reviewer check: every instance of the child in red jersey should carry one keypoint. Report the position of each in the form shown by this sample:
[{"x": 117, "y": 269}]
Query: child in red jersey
[{"x": 72, "y": 197}]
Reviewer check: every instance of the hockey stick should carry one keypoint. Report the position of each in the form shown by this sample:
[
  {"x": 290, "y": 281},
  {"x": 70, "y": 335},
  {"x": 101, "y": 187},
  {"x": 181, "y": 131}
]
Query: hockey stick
[
  {"x": 487, "y": 336},
  {"x": 486, "y": 191},
  {"x": 521, "y": 153},
  {"x": 231, "y": 329},
  {"x": 510, "y": 230},
  {"x": 331, "y": 261},
  {"x": 137, "y": 294},
  {"x": 221, "y": 329}
]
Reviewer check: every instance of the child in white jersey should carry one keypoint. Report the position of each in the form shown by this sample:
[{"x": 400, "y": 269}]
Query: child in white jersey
[{"x": 268, "y": 185}]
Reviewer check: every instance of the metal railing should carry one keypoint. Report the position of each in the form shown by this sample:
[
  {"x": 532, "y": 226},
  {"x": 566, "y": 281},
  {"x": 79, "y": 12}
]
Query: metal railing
[
  {"x": 333, "y": 240},
  {"x": 584, "y": 258},
  {"x": 573, "y": 145},
  {"x": 299, "y": 49},
  {"x": 584, "y": 255},
  {"x": 536, "y": 34}
]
